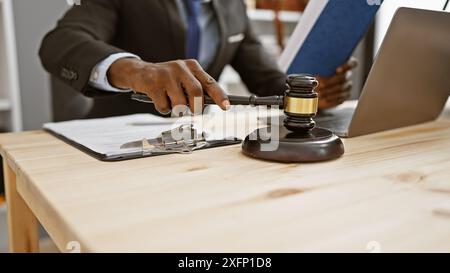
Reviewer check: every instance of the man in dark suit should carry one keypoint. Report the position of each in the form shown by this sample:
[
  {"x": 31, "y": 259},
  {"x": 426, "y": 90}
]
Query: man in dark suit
[{"x": 172, "y": 50}]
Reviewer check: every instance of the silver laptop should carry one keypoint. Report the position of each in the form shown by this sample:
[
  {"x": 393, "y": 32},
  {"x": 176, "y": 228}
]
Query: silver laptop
[{"x": 409, "y": 82}]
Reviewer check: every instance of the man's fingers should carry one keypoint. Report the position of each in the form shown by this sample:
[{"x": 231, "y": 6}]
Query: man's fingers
[
  {"x": 209, "y": 85},
  {"x": 347, "y": 86},
  {"x": 177, "y": 97},
  {"x": 343, "y": 93},
  {"x": 352, "y": 63},
  {"x": 327, "y": 83},
  {"x": 330, "y": 91},
  {"x": 337, "y": 93},
  {"x": 193, "y": 88},
  {"x": 339, "y": 98},
  {"x": 161, "y": 102}
]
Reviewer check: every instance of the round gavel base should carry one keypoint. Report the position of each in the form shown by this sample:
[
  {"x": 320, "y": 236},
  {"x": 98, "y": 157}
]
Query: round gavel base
[{"x": 315, "y": 146}]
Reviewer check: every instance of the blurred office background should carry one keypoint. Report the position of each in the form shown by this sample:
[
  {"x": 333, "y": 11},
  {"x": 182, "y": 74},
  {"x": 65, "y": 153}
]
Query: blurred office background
[{"x": 25, "y": 88}]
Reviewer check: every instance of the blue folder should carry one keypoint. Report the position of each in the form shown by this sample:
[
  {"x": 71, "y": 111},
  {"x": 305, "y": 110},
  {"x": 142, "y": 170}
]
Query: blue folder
[{"x": 335, "y": 35}]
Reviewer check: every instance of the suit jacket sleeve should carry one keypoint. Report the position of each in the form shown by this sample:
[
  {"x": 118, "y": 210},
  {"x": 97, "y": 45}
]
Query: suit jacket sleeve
[
  {"x": 258, "y": 70},
  {"x": 80, "y": 41}
]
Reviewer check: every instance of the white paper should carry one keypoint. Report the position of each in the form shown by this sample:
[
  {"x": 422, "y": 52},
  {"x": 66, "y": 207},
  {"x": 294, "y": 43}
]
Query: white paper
[{"x": 106, "y": 136}]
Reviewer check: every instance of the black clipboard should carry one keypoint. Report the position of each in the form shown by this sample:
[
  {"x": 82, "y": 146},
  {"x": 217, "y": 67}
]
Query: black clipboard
[{"x": 137, "y": 155}]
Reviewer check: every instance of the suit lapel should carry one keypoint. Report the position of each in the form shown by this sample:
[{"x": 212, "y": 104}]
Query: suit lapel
[
  {"x": 176, "y": 25},
  {"x": 217, "y": 64}
]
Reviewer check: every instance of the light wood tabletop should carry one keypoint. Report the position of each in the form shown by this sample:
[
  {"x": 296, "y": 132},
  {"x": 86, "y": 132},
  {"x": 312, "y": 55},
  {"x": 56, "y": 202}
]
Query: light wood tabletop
[{"x": 389, "y": 193}]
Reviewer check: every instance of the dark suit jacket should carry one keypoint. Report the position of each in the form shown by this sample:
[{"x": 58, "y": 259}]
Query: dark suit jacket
[{"x": 153, "y": 30}]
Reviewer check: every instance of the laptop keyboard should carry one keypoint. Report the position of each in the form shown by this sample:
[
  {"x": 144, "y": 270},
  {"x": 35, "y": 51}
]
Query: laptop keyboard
[{"x": 337, "y": 121}]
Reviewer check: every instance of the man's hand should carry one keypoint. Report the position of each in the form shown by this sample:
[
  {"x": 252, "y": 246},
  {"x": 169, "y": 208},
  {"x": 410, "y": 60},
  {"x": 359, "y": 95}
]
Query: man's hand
[
  {"x": 336, "y": 90},
  {"x": 168, "y": 84}
]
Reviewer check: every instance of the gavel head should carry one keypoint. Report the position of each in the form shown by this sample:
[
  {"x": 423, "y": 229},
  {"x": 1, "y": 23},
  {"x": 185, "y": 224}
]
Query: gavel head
[{"x": 301, "y": 103}]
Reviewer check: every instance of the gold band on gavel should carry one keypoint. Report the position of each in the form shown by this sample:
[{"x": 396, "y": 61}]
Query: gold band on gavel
[{"x": 301, "y": 106}]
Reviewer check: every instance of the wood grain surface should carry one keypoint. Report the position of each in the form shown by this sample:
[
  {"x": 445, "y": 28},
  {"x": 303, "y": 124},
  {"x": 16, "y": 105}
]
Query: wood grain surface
[{"x": 390, "y": 192}]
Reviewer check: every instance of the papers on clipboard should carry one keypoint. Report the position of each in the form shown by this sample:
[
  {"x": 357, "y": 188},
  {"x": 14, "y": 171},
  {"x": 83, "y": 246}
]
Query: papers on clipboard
[{"x": 113, "y": 139}]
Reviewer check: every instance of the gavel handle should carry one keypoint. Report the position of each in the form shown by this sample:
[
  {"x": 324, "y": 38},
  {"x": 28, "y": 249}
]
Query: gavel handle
[{"x": 234, "y": 100}]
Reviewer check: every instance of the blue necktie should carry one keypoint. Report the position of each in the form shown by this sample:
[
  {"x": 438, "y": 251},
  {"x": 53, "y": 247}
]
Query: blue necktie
[{"x": 193, "y": 31}]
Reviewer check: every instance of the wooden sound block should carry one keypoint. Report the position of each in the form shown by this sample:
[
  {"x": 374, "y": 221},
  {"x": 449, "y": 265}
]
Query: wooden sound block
[{"x": 314, "y": 146}]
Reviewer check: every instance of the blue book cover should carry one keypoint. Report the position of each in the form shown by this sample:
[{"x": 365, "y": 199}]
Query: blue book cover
[{"x": 337, "y": 31}]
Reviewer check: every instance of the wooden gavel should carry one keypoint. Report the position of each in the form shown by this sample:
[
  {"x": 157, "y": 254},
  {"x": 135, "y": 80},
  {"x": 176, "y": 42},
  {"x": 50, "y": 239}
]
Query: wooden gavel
[
  {"x": 299, "y": 140},
  {"x": 300, "y": 102}
]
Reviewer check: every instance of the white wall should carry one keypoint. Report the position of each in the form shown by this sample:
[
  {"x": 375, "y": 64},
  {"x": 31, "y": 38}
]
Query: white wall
[
  {"x": 32, "y": 20},
  {"x": 388, "y": 9}
]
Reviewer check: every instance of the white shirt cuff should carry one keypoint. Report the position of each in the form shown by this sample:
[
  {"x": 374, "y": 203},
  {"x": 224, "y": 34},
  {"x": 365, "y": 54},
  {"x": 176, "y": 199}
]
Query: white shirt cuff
[{"x": 99, "y": 75}]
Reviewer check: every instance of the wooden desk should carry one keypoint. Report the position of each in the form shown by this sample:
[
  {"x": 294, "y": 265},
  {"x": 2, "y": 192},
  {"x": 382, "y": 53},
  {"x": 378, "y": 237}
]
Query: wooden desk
[{"x": 390, "y": 192}]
